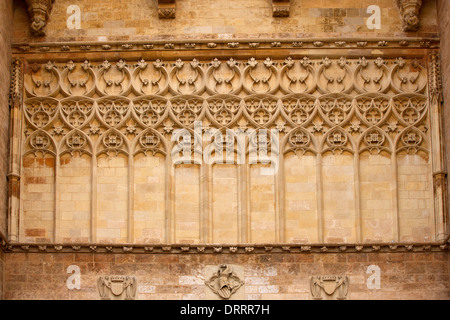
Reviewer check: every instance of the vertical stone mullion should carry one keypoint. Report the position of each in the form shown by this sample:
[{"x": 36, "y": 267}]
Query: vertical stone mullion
[
  {"x": 15, "y": 150},
  {"x": 319, "y": 198},
  {"x": 437, "y": 149},
  {"x": 357, "y": 190},
  {"x": 57, "y": 214},
  {"x": 93, "y": 222},
  {"x": 280, "y": 196},
  {"x": 130, "y": 205},
  {"x": 169, "y": 236},
  {"x": 395, "y": 194}
]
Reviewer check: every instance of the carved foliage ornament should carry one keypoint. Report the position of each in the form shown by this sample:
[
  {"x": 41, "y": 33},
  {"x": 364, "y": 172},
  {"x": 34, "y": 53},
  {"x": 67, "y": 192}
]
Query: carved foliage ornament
[
  {"x": 116, "y": 287},
  {"x": 224, "y": 282},
  {"x": 39, "y": 11},
  {"x": 409, "y": 10}
]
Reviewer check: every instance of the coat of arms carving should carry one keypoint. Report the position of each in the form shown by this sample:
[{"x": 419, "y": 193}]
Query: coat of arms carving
[
  {"x": 117, "y": 287},
  {"x": 330, "y": 285},
  {"x": 224, "y": 282}
]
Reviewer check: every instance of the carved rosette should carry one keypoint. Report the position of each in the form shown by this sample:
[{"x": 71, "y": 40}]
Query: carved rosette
[
  {"x": 409, "y": 10},
  {"x": 39, "y": 11}
]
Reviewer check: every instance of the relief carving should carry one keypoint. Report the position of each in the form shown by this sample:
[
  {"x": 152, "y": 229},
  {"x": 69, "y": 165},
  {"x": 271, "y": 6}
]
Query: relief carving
[
  {"x": 409, "y": 10},
  {"x": 117, "y": 287},
  {"x": 224, "y": 282},
  {"x": 281, "y": 8},
  {"x": 166, "y": 9},
  {"x": 39, "y": 11},
  {"x": 318, "y": 105},
  {"x": 334, "y": 286}
]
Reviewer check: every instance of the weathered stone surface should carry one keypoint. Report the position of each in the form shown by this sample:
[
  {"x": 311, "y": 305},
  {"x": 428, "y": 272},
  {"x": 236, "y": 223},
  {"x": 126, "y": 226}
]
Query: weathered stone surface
[
  {"x": 32, "y": 276},
  {"x": 81, "y": 201}
]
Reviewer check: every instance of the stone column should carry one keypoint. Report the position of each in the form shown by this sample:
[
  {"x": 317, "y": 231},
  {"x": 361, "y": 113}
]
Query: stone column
[
  {"x": 6, "y": 22},
  {"x": 443, "y": 11},
  {"x": 6, "y": 18}
]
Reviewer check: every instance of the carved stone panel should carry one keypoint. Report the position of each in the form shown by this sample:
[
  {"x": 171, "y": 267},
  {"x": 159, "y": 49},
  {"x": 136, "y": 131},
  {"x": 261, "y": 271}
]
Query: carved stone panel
[
  {"x": 332, "y": 287},
  {"x": 224, "y": 282},
  {"x": 117, "y": 287}
]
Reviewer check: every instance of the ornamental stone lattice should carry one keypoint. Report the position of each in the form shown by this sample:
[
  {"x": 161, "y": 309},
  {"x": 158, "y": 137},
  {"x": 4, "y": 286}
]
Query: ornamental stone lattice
[{"x": 328, "y": 113}]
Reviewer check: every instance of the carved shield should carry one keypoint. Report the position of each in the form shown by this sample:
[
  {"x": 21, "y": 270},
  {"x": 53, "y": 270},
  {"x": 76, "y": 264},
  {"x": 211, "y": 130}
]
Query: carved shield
[
  {"x": 329, "y": 286},
  {"x": 117, "y": 288},
  {"x": 225, "y": 293}
]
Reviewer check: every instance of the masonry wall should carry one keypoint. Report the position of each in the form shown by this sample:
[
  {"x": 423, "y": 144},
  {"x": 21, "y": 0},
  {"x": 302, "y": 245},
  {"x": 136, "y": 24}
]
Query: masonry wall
[
  {"x": 267, "y": 276},
  {"x": 138, "y": 20},
  {"x": 182, "y": 276}
]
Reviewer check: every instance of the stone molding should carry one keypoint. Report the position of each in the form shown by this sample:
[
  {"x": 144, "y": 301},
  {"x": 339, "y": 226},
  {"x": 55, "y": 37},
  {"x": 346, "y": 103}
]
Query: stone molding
[
  {"x": 225, "y": 249},
  {"x": 39, "y": 11},
  {"x": 230, "y": 44}
]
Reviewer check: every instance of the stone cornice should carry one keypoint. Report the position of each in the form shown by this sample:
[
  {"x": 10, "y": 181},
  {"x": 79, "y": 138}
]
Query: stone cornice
[
  {"x": 224, "y": 249},
  {"x": 228, "y": 44}
]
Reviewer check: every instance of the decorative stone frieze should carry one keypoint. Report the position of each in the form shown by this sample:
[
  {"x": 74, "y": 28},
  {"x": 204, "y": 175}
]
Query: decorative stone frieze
[
  {"x": 39, "y": 11},
  {"x": 221, "y": 44},
  {"x": 410, "y": 10}
]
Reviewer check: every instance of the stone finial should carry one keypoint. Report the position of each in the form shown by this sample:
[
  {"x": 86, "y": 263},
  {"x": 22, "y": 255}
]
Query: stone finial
[
  {"x": 409, "y": 10},
  {"x": 39, "y": 11},
  {"x": 281, "y": 8},
  {"x": 166, "y": 9}
]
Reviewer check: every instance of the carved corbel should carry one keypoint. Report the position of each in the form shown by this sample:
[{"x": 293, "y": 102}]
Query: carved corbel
[
  {"x": 166, "y": 9},
  {"x": 409, "y": 10},
  {"x": 39, "y": 11},
  {"x": 281, "y": 8}
]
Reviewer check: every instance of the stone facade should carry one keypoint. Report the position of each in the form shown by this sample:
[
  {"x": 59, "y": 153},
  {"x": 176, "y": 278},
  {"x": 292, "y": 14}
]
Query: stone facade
[
  {"x": 417, "y": 276},
  {"x": 98, "y": 91}
]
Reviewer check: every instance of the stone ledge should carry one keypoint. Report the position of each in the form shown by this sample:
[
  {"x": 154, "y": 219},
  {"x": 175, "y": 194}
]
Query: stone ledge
[
  {"x": 228, "y": 44},
  {"x": 225, "y": 249}
]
